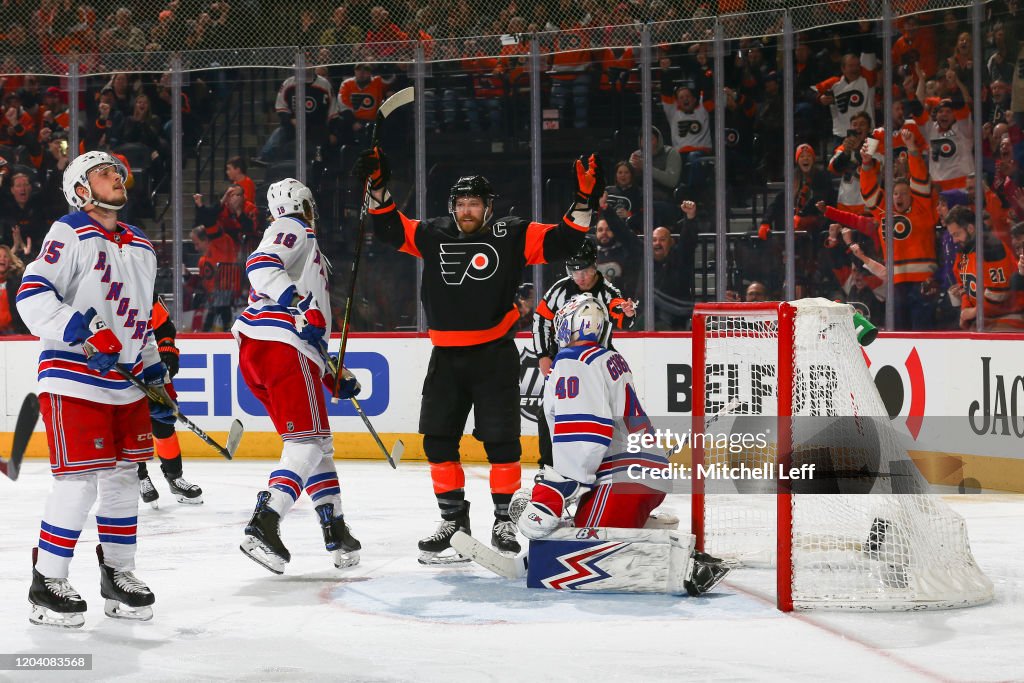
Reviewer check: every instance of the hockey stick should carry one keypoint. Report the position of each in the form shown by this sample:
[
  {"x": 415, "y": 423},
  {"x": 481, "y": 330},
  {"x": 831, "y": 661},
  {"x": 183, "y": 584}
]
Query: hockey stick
[
  {"x": 234, "y": 433},
  {"x": 399, "y": 99},
  {"x": 334, "y": 367},
  {"x": 507, "y": 566},
  {"x": 27, "y": 418}
]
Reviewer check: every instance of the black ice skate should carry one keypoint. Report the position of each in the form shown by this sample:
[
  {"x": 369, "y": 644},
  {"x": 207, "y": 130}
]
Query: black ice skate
[
  {"x": 54, "y": 601},
  {"x": 503, "y": 536},
  {"x": 706, "y": 572},
  {"x": 338, "y": 537},
  {"x": 262, "y": 542},
  {"x": 185, "y": 492},
  {"x": 437, "y": 548},
  {"x": 148, "y": 492},
  {"x": 126, "y": 596}
]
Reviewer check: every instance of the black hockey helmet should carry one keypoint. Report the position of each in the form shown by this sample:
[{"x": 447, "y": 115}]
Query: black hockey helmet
[
  {"x": 585, "y": 257},
  {"x": 473, "y": 186}
]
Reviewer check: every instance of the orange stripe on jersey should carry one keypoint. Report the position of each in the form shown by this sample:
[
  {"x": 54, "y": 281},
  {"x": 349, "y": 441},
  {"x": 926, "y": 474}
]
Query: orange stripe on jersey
[
  {"x": 160, "y": 314},
  {"x": 409, "y": 226},
  {"x": 447, "y": 476},
  {"x": 958, "y": 183},
  {"x": 534, "y": 249},
  {"x": 544, "y": 311},
  {"x": 474, "y": 337},
  {"x": 506, "y": 477}
]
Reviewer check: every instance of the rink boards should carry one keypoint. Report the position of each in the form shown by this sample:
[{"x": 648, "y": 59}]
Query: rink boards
[{"x": 958, "y": 398}]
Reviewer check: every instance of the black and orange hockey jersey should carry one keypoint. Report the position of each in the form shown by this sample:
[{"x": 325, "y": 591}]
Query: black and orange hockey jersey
[
  {"x": 1004, "y": 307},
  {"x": 469, "y": 281},
  {"x": 914, "y": 230}
]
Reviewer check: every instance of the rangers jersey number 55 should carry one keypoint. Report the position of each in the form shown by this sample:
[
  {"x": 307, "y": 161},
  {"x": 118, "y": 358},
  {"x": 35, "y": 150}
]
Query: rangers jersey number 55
[{"x": 81, "y": 265}]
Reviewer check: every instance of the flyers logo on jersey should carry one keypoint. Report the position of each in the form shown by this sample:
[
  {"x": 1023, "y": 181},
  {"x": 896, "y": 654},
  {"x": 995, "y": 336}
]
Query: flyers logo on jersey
[
  {"x": 943, "y": 148},
  {"x": 689, "y": 127},
  {"x": 901, "y": 227},
  {"x": 475, "y": 260},
  {"x": 851, "y": 99}
]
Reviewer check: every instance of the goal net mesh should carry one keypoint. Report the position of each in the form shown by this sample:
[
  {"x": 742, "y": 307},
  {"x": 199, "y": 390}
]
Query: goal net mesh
[{"x": 868, "y": 537}]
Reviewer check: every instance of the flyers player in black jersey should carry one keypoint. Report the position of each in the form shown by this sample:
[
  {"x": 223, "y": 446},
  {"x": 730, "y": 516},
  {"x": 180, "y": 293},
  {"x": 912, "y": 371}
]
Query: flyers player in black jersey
[
  {"x": 165, "y": 439},
  {"x": 472, "y": 267}
]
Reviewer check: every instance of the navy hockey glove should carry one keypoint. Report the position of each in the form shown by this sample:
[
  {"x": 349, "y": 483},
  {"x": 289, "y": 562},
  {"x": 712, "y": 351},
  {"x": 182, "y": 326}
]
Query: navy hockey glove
[
  {"x": 309, "y": 321},
  {"x": 350, "y": 387},
  {"x": 160, "y": 411},
  {"x": 589, "y": 175},
  {"x": 373, "y": 164},
  {"x": 102, "y": 346}
]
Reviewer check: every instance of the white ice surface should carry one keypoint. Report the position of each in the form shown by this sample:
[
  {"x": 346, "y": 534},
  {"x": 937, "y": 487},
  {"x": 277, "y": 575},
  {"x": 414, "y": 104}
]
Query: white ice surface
[{"x": 219, "y": 616}]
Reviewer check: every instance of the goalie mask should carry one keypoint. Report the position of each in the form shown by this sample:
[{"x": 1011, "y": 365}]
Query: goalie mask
[
  {"x": 77, "y": 173},
  {"x": 289, "y": 197},
  {"x": 583, "y": 318}
]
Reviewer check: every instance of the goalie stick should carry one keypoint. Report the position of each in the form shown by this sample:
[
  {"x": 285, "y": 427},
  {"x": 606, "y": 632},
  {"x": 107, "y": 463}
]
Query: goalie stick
[
  {"x": 506, "y": 566},
  {"x": 234, "y": 433},
  {"x": 334, "y": 367},
  {"x": 399, "y": 99},
  {"x": 27, "y": 418}
]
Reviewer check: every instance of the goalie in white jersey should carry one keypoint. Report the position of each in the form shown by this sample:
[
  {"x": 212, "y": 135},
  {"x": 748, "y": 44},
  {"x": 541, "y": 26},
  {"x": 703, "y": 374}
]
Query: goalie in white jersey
[
  {"x": 592, "y": 405},
  {"x": 281, "y": 337},
  {"x": 89, "y": 298}
]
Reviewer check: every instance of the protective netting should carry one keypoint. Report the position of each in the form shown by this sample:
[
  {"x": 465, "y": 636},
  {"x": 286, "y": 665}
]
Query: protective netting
[
  {"x": 142, "y": 35},
  {"x": 872, "y": 540}
]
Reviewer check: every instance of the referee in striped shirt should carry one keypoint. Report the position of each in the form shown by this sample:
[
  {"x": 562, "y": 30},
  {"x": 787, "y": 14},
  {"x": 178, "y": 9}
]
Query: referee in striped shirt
[{"x": 581, "y": 276}]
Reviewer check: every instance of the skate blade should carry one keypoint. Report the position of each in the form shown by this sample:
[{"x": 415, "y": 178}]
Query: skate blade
[
  {"x": 198, "y": 500},
  {"x": 41, "y": 616},
  {"x": 343, "y": 560},
  {"x": 119, "y": 610},
  {"x": 445, "y": 557},
  {"x": 252, "y": 548}
]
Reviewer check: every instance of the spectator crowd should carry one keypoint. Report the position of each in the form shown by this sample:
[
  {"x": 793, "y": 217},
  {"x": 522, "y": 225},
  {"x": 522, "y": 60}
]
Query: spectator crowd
[{"x": 478, "y": 81}]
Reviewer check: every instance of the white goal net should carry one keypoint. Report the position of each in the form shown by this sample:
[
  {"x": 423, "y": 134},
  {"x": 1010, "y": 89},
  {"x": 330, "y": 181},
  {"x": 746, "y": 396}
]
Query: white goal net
[{"x": 863, "y": 535}]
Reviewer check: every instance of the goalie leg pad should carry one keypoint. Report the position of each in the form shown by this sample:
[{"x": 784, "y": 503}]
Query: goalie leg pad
[{"x": 609, "y": 560}]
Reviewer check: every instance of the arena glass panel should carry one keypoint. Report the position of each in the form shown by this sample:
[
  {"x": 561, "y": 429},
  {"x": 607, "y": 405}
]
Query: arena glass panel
[{"x": 234, "y": 147}]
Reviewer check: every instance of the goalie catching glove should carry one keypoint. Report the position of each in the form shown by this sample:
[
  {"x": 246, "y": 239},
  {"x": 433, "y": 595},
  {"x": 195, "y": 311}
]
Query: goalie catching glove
[
  {"x": 373, "y": 165},
  {"x": 102, "y": 346},
  {"x": 589, "y": 176},
  {"x": 543, "y": 514}
]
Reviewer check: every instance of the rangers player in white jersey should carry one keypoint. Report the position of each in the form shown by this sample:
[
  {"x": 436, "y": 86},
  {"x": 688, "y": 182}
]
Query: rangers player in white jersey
[
  {"x": 89, "y": 298},
  {"x": 591, "y": 401},
  {"x": 281, "y": 337}
]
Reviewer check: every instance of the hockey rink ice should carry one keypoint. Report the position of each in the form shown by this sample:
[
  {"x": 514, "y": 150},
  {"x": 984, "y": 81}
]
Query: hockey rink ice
[{"x": 221, "y": 617}]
